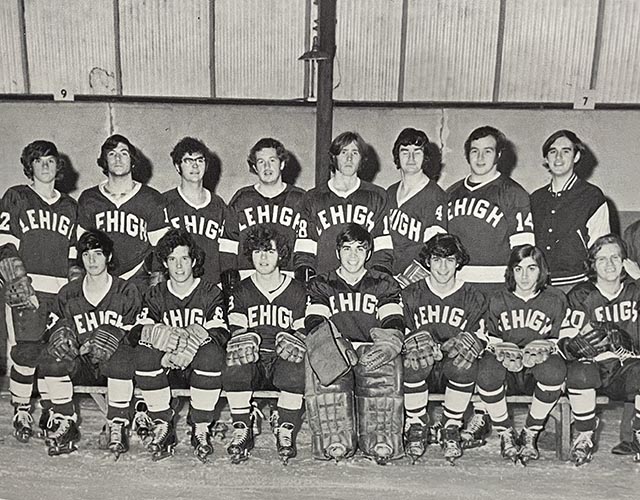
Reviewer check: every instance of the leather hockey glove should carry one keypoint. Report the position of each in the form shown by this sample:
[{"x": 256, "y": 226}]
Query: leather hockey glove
[
  {"x": 290, "y": 346},
  {"x": 463, "y": 349},
  {"x": 588, "y": 343},
  {"x": 197, "y": 336},
  {"x": 243, "y": 348},
  {"x": 63, "y": 343},
  {"x": 509, "y": 354},
  {"x": 103, "y": 342},
  {"x": 421, "y": 351},
  {"x": 304, "y": 273},
  {"x": 413, "y": 273},
  {"x": 330, "y": 355},
  {"x": 387, "y": 344},
  {"x": 18, "y": 291},
  {"x": 537, "y": 352},
  {"x": 163, "y": 337}
]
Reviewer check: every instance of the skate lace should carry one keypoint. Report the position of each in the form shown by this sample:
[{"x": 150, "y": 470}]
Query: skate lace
[
  {"x": 584, "y": 440},
  {"x": 160, "y": 432},
  {"x": 475, "y": 424},
  {"x": 285, "y": 435},
  {"x": 115, "y": 431},
  {"x": 624, "y": 354},
  {"x": 201, "y": 433},
  {"x": 142, "y": 420},
  {"x": 508, "y": 439},
  {"x": 240, "y": 434},
  {"x": 529, "y": 437},
  {"x": 273, "y": 421},
  {"x": 63, "y": 426},
  {"x": 23, "y": 417}
]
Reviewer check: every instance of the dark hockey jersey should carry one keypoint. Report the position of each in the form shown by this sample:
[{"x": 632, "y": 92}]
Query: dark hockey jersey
[
  {"x": 267, "y": 312},
  {"x": 462, "y": 310},
  {"x": 205, "y": 223},
  {"x": 134, "y": 223},
  {"x": 42, "y": 232},
  {"x": 248, "y": 208},
  {"x": 512, "y": 319},
  {"x": 414, "y": 223},
  {"x": 328, "y": 213},
  {"x": 490, "y": 219},
  {"x": 374, "y": 301}
]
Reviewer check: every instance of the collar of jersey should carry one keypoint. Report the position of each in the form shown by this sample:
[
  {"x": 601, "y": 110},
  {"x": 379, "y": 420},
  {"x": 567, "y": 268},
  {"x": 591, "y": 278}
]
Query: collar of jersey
[
  {"x": 56, "y": 195},
  {"x": 255, "y": 188},
  {"x": 456, "y": 287},
  {"x": 181, "y": 296},
  {"x": 343, "y": 194},
  {"x": 271, "y": 295},
  {"x": 120, "y": 201},
  {"x": 523, "y": 299},
  {"x": 482, "y": 184},
  {"x": 202, "y": 205},
  {"x": 84, "y": 290},
  {"x": 609, "y": 296}
]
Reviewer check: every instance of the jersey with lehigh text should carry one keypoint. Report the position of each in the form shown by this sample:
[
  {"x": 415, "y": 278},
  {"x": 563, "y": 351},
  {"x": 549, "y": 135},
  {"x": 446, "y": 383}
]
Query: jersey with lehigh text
[
  {"x": 135, "y": 223},
  {"x": 327, "y": 213},
  {"x": 414, "y": 222},
  {"x": 512, "y": 319},
  {"x": 204, "y": 222},
  {"x": 461, "y": 310},
  {"x": 490, "y": 219},
  {"x": 41, "y": 232},
  {"x": 268, "y": 312},
  {"x": 374, "y": 301}
]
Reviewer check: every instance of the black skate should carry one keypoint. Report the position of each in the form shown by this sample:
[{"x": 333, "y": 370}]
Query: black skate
[
  {"x": 142, "y": 423},
  {"x": 241, "y": 442},
  {"x": 476, "y": 431},
  {"x": 582, "y": 448},
  {"x": 23, "y": 423},
  {"x": 63, "y": 439},
  {"x": 46, "y": 425},
  {"x": 286, "y": 442},
  {"x": 528, "y": 442},
  {"x": 509, "y": 444},
  {"x": 201, "y": 441},
  {"x": 164, "y": 440},
  {"x": 636, "y": 445},
  {"x": 451, "y": 443},
  {"x": 415, "y": 440},
  {"x": 118, "y": 437}
]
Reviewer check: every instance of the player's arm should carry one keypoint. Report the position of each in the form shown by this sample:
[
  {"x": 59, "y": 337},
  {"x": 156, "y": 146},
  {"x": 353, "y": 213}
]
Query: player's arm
[
  {"x": 389, "y": 308},
  {"x": 521, "y": 220},
  {"x": 382, "y": 258},
  {"x": 215, "y": 324},
  {"x": 317, "y": 309},
  {"x": 305, "y": 250},
  {"x": 598, "y": 223},
  {"x": 229, "y": 245}
]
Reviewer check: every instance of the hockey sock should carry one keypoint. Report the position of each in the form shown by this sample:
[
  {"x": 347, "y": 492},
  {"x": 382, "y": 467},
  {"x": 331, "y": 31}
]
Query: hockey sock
[
  {"x": 544, "y": 397},
  {"x": 457, "y": 396},
  {"x": 583, "y": 406},
  {"x": 416, "y": 397},
  {"x": 495, "y": 403},
  {"x": 21, "y": 384}
]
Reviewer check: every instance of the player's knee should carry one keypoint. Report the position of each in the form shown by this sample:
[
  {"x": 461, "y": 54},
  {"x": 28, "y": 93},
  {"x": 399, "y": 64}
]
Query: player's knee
[
  {"x": 632, "y": 379},
  {"x": 238, "y": 378},
  {"x": 413, "y": 376},
  {"x": 122, "y": 364},
  {"x": 289, "y": 376},
  {"x": 49, "y": 367},
  {"x": 583, "y": 375},
  {"x": 27, "y": 353},
  {"x": 552, "y": 372},
  {"x": 491, "y": 373},
  {"x": 210, "y": 357},
  {"x": 147, "y": 358},
  {"x": 458, "y": 374}
]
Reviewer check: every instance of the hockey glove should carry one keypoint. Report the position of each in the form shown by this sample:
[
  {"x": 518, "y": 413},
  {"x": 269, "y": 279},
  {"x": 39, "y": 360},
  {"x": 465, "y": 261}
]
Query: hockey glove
[
  {"x": 290, "y": 346},
  {"x": 197, "y": 336},
  {"x": 18, "y": 291},
  {"x": 387, "y": 344},
  {"x": 588, "y": 343},
  {"x": 63, "y": 343},
  {"x": 163, "y": 337},
  {"x": 509, "y": 354},
  {"x": 304, "y": 273},
  {"x": 243, "y": 348},
  {"x": 421, "y": 351},
  {"x": 537, "y": 352},
  {"x": 74, "y": 273},
  {"x": 463, "y": 349},
  {"x": 103, "y": 342},
  {"x": 414, "y": 272}
]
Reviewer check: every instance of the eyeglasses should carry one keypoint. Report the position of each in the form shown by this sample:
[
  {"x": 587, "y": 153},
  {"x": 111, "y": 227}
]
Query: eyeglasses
[{"x": 190, "y": 161}]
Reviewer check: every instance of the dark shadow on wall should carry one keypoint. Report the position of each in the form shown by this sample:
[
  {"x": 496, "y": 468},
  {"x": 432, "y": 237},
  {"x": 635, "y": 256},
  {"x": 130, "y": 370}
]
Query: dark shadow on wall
[
  {"x": 143, "y": 168},
  {"x": 614, "y": 217},
  {"x": 292, "y": 169},
  {"x": 435, "y": 165},
  {"x": 67, "y": 180},
  {"x": 212, "y": 175},
  {"x": 371, "y": 166},
  {"x": 508, "y": 159},
  {"x": 587, "y": 164}
]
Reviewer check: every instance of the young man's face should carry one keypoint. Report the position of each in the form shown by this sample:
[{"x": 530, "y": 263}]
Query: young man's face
[
  {"x": 608, "y": 263},
  {"x": 411, "y": 158},
  {"x": 268, "y": 166},
  {"x": 561, "y": 157},
  {"x": 180, "y": 265},
  {"x": 348, "y": 160},
  {"x": 119, "y": 160},
  {"x": 443, "y": 269},
  {"x": 526, "y": 275},
  {"x": 483, "y": 158},
  {"x": 266, "y": 261},
  {"x": 45, "y": 169},
  {"x": 95, "y": 262},
  {"x": 192, "y": 167},
  {"x": 353, "y": 256}
]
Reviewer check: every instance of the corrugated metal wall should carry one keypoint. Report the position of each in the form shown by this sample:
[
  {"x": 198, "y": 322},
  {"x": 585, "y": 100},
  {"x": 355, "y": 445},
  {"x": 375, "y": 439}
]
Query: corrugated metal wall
[{"x": 11, "y": 76}]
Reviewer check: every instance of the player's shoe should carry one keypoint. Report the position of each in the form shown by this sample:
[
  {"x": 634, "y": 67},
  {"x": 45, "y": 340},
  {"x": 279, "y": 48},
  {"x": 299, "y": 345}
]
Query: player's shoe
[
  {"x": 118, "y": 437},
  {"x": 241, "y": 442},
  {"x": 63, "y": 439},
  {"x": 201, "y": 441},
  {"x": 624, "y": 448},
  {"x": 415, "y": 439},
  {"x": 451, "y": 443},
  {"x": 636, "y": 445},
  {"x": 286, "y": 442},
  {"x": 528, "y": 442},
  {"x": 23, "y": 423},
  {"x": 164, "y": 440},
  {"x": 476, "y": 431},
  {"x": 509, "y": 448},
  {"x": 583, "y": 446},
  {"x": 142, "y": 423}
]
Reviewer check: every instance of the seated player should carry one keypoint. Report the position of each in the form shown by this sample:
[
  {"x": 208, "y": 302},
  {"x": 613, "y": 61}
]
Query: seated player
[
  {"x": 442, "y": 313},
  {"x": 354, "y": 398},
  {"x": 182, "y": 328},
  {"x": 88, "y": 343},
  {"x": 523, "y": 324},
  {"x": 266, "y": 349},
  {"x": 602, "y": 336}
]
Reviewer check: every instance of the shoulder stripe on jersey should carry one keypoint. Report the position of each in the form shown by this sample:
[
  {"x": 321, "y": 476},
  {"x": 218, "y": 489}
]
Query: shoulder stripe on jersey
[
  {"x": 319, "y": 310},
  {"x": 9, "y": 238},
  {"x": 569, "y": 280},
  {"x": 389, "y": 310},
  {"x": 482, "y": 274},
  {"x": 305, "y": 245},
  {"x": 238, "y": 319},
  {"x": 154, "y": 236},
  {"x": 47, "y": 284},
  {"x": 214, "y": 323},
  {"x": 298, "y": 324},
  {"x": 227, "y": 246},
  {"x": 383, "y": 242},
  {"x": 515, "y": 240},
  {"x": 128, "y": 274}
]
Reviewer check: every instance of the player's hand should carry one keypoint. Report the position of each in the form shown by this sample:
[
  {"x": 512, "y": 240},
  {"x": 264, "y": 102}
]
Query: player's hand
[
  {"x": 537, "y": 352},
  {"x": 509, "y": 354}
]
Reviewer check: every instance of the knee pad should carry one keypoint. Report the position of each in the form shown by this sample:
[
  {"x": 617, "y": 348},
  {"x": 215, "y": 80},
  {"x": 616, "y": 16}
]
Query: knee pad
[
  {"x": 238, "y": 378},
  {"x": 552, "y": 372},
  {"x": 27, "y": 353},
  {"x": 122, "y": 365},
  {"x": 583, "y": 375},
  {"x": 491, "y": 373},
  {"x": 147, "y": 358},
  {"x": 452, "y": 372}
]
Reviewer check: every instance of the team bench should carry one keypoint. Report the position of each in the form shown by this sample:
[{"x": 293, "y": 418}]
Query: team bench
[{"x": 561, "y": 413}]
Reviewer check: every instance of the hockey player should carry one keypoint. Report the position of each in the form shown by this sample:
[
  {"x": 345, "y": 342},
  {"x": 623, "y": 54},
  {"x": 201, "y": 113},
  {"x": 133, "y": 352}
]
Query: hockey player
[
  {"x": 266, "y": 349},
  {"x": 569, "y": 214},
  {"x": 269, "y": 201},
  {"x": 600, "y": 342},
  {"x": 442, "y": 313},
  {"x": 523, "y": 324},
  {"x": 182, "y": 328},
  {"x": 37, "y": 237},
  {"x": 413, "y": 203},
  {"x": 87, "y": 342},
  {"x": 351, "y": 308},
  {"x": 343, "y": 200}
]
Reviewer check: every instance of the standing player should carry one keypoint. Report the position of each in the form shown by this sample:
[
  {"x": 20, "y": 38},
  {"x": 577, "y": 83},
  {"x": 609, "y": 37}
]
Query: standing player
[
  {"x": 88, "y": 342},
  {"x": 413, "y": 202},
  {"x": 442, "y": 313},
  {"x": 269, "y": 201},
  {"x": 603, "y": 335},
  {"x": 343, "y": 200},
  {"x": 352, "y": 304},
  {"x": 266, "y": 349},
  {"x": 523, "y": 323},
  {"x": 569, "y": 214},
  {"x": 37, "y": 236},
  {"x": 183, "y": 329}
]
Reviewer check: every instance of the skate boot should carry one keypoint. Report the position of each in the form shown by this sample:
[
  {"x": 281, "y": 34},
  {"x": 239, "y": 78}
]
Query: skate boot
[
  {"x": 63, "y": 439},
  {"x": 476, "y": 431},
  {"x": 582, "y": 448},
  {"x": 201, "y": 441},
  {"x": 142, "y": 423},
  {"x": 434, "y": 433},
  {"x": 164, "y": 440},
  {"x": 451, "y": 443},
  {"x": 286, "y": 442},
  {"x": 509, "y": 444},
  {"x": 382, "y": 453},
  {"x": 415, "y": 439},
  {"x": 256, "y": 419},
  {"x": 118, "y": 437},
  {"x": 45, "y": 425},
  {"x": 241, "y": 442},
  {"x": 528, "y": 442},
  {"x": 23, "y": 423},
  {"x": 636, "y": 445}
]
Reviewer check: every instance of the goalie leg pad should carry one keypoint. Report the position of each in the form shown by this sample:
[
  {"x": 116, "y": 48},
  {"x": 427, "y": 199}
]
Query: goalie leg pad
[
  {"x": 29, "y": 325},
  {"x": 380, "y": 406},
  {"x": 331, "y": 416}
]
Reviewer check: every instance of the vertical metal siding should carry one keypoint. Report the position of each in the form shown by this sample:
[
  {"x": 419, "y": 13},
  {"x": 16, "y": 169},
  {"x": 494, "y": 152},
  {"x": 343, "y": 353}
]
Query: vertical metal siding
[
  {"x": 11, "y": 76},
  {"x": 165, "y": 47},
  {"x": 548, "y": 49},
  {"x": 258, "y": 43},
  {"x": 66, "y": 39},
  {"x": 451, "y": 50},
  {"x": 368, "y": 50},
  {"x": 619, "y": 68}
]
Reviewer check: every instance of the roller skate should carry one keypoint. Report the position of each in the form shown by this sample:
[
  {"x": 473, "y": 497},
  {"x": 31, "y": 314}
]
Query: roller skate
[
  {"x": 582, "y": 448},
  {"x": 63, "y": 439},
  {"x": 201, "y": 441},
  {"x": 164, "y": 440},
  {"x": 241, "y": 442}
]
